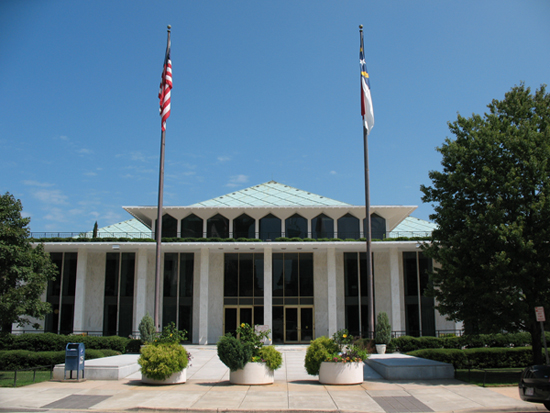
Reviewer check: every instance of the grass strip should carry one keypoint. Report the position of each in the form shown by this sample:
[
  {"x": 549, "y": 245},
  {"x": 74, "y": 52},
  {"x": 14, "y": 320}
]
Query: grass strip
[
  {"x": 490, "y": 377},
  {"x": 24, "y": 378}
]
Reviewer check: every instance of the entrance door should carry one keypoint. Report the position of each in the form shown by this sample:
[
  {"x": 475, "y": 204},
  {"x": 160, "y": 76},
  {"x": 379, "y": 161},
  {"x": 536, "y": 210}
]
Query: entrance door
[
  {"x": 298, "y": 324},
  {"x": 235, "y": 316}
]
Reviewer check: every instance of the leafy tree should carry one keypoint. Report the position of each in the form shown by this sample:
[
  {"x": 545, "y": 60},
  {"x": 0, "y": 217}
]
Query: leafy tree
[
  {"x": 492, "y": 208},
  {"x": 24, "y": 270},
  {"x": 94, "y": 231}
]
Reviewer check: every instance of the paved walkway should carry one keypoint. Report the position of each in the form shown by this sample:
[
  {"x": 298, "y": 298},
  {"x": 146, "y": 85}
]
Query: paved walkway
[{"x": 208, "y": 389}]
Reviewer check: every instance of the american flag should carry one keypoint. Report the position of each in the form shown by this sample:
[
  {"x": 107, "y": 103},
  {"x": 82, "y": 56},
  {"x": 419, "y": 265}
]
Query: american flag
[
  {"x": 366, "y": 99},
  {"x": 165, "y": 89}
]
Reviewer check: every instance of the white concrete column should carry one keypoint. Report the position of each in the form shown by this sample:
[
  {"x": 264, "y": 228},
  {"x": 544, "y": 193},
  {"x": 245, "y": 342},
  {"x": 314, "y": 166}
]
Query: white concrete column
[
  {"x": 231, "y": 234},
  {"x": 256, "y": 228},
  {"x": 331, "y": 296},
  {"x": 140, "y": 291},
  {"x": 283, "y": 228},
  {"x": 395, "y": 291},
  {"x": 203, "y": 296},
  {"x": 268, "y": 289},
  {"x": 204, "y": 228},
  {"x": 80, "y": 290},
  {"x": 178, "y": 228},
  {"x": 308, "y": 235}
]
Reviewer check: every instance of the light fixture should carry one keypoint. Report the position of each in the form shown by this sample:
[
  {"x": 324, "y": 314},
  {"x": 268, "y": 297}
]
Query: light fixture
[{"x": 116, "y": 246}]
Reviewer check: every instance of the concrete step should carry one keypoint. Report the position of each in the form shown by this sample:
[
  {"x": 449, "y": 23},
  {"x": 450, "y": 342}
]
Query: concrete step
[
  {"x": 402, "y": 367},
  {"x": 107, "y": 368}
]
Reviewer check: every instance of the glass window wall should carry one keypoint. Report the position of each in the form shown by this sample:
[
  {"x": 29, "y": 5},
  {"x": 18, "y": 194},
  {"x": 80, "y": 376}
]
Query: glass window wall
[
  {"x": 217, "y": 227},
  {"x": 348, "y": 227},
  {"x": 191, "y": 227}
]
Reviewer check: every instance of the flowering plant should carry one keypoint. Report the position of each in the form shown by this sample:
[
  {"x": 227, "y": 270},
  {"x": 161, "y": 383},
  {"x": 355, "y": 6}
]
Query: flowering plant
[
  {"x": 170, "y": 334},
  {"x": 351, "y": 356},
  {"x": 342, "y": 338}
]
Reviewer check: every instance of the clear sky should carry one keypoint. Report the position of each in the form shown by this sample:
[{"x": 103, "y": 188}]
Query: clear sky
[{"x": 263, "y": 90}]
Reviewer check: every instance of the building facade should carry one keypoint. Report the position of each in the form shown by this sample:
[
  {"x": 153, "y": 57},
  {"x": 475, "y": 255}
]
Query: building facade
[{"x": 270, "y": 254}]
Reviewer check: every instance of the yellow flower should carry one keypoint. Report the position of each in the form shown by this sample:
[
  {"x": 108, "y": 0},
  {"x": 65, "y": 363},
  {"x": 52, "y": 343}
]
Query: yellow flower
[
  {"x": 170, "y": 335},
  {"x": 242, "y": 325},
  {"x": 345, "y": 335}
]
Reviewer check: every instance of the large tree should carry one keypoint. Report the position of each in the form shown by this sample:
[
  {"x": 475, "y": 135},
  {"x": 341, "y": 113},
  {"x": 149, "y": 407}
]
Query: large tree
[
  {"x": 492, "y": 208},
  {"x": 24, "y": 270}
]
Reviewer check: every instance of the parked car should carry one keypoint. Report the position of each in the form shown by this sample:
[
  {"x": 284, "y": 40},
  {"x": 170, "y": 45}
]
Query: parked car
[{"x": 534, "y": 385}]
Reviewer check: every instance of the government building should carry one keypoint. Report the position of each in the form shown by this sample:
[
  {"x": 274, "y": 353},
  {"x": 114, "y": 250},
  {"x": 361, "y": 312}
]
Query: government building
[{"x": 270, "y": 254}]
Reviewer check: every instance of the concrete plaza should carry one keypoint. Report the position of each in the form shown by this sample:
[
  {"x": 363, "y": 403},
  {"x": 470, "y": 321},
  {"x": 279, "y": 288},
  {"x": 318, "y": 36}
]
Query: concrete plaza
[{"x": 208, "y": 389}]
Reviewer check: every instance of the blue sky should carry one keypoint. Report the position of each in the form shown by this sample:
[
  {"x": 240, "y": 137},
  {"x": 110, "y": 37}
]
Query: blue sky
[{"x": 263, "y": 90}]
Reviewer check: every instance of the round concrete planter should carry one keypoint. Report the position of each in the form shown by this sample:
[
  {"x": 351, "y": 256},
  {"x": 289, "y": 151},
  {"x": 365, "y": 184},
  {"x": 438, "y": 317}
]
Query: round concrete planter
[
  {"x": 176, "y": 378},
  {"x": 252, "y": 374},
  {"x": 341, "y": 373},
  {"x": 380, "y": 348}
]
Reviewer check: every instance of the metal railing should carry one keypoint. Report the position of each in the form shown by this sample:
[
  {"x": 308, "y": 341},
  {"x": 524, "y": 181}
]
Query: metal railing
[
  {"x": 33, "y": 369},
  {"x": 265, "y": 236}
]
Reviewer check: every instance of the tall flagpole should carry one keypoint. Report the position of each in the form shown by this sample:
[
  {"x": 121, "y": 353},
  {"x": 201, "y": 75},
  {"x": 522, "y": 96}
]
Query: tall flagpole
[
  {"x": 368, "y": 122},
  {"x": 158, "y": 227}
]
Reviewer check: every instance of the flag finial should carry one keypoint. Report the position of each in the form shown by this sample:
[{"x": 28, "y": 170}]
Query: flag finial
[
  {"x": 361, "y": 27},
  {"x": 169, "y": 27}
]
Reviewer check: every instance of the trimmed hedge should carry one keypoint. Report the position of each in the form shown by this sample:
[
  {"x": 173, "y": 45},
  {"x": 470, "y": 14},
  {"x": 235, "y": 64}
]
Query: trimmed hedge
[
  {"x": 24, "y": 359},
  {"x": 58, "y": 342},
  {"x": 405, "y": 344},
  {"x": 479, "y": 358}
]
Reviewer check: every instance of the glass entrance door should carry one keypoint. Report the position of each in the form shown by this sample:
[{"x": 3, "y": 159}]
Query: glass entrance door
[
  {"x": 298, "y": 324},
  {"x": 235, "y": 316},
  {"x": 306, "y": 324}
]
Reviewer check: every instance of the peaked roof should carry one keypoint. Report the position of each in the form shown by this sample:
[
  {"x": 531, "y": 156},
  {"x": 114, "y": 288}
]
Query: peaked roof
[
  {"x": 412, "y": 226},
  {"x": 270, "y": 194},
  {"x": 130, "y": 228}
]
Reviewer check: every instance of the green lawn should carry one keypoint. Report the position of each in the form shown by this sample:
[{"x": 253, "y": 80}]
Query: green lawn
[
  {"x": 491, "y": 377},
  {"x": 23, "y": 377}
]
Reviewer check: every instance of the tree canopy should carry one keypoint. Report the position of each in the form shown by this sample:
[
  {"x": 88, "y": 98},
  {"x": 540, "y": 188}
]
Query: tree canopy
[
  {"x": 24, "y": 270},
  {"x": 492, "y": 208}
]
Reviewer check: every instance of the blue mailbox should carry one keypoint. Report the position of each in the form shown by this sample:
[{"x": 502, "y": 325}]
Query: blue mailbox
[{"x": 74, "y": 359}]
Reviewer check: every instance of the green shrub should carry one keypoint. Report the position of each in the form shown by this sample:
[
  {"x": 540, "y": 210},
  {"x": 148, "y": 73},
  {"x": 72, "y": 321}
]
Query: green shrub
[
  {"x": 455, "y": 357},
  {"x": 24, "y": 359},
  {"x": 160, "y": 361},
  {"x": 6, "y": 341},
  {"x": 382, "y": 329},
  {"x": 58, "y": 342},
  {"x": 133, "y": 346},
  {"x": 318, "y": 351},
  {"x": 271, "y": 356},
  {"x": 430, "y": 342},
  {"x": 405, "y": 344},
  {"x": 147, "y": 328},
  {"x": 248, "y": 346},
  {"x": 233, "y": 353},
  {"x": 479, "y": 358}
]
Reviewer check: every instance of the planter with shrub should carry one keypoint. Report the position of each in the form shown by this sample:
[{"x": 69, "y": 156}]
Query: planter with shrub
[
  {"x": 249, "y": 361},
  {"x": 336, "y": 360},
  {"x": 382, "y": 332},
  {"x": 164, "y": 360}
]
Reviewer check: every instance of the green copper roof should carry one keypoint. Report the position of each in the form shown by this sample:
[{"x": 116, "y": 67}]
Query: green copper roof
[
  {"x": 413, "y": 227},
  {"x": 270, "y": 194},
  {"x": 131, "y": 228}
]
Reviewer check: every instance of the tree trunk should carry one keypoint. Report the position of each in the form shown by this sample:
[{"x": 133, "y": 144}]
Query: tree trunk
[
  {"x": 6, "y": 328},
  {"x": 536, "y": 342}
]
